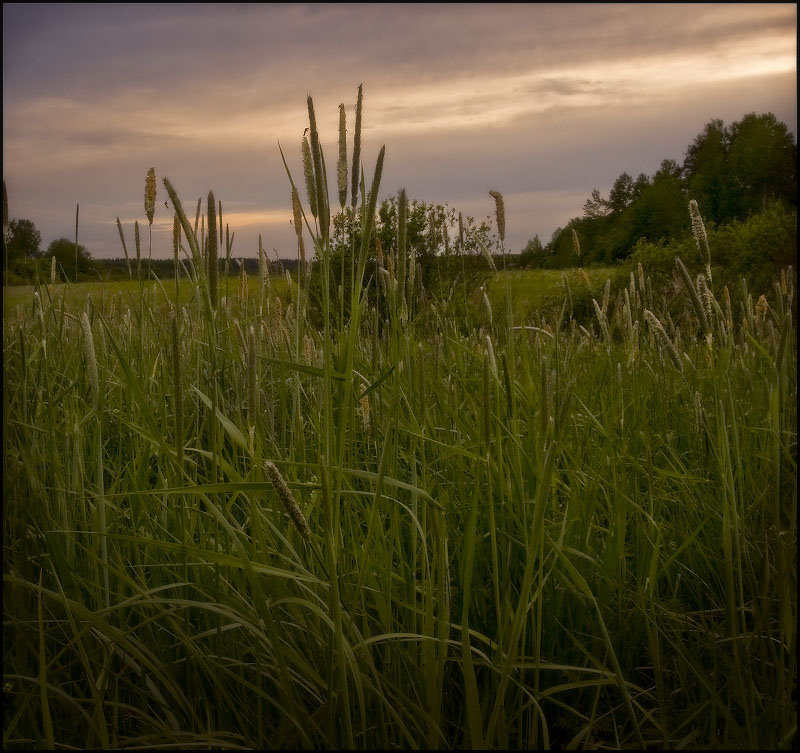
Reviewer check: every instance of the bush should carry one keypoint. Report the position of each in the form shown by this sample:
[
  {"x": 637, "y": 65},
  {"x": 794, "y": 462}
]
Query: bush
[{"x": 754, "y": 250}]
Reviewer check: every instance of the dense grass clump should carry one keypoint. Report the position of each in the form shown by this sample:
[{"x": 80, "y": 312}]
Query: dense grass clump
[{"x": 227, "y": 527}]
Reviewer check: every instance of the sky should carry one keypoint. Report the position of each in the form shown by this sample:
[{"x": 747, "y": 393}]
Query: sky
[{"x": 541, "y": 102}]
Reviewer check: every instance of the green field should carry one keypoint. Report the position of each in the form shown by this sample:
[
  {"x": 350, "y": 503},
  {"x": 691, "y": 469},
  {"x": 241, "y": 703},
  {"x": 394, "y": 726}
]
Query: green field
[{"x": 530, "y": 523}]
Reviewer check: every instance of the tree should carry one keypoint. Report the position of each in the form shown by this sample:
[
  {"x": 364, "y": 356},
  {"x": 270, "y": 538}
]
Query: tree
[
  {"x": 23, "y": 241},
  {"x": 622, "y": 193},
  {"x": 660, "y": 212},
  {"x": 705, "y": 169},
  {"x": 596, "y": 206},
  {"x": 532, "y": 251},
  {"x": 639, "y": 186},
  {"x": 64, "y": 251},
  {"x": 762, "y": 162}
]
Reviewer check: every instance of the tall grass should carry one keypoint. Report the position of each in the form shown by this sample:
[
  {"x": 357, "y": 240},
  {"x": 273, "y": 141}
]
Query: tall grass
[{"x": 547, "y": 530}]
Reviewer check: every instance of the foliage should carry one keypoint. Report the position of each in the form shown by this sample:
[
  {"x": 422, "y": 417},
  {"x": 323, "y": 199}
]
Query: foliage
[
  {"x": 443, "y": 250},
  {"x": 22, "y": 241},
  {"x": 731, "y": 171},
  {"x": 64, "y": 250},
  {"x": 754, "y": 250}
]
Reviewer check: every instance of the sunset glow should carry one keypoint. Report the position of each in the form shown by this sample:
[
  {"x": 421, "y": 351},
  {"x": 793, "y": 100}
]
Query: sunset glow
[{"x": 110, "y": 92}]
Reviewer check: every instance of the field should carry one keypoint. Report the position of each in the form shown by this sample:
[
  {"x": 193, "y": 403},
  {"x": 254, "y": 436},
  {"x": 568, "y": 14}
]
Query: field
[{"x": 519, "y": 525}]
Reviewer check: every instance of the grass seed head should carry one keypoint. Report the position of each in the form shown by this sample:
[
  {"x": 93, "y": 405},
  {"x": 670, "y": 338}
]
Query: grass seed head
[
  {"x": 500, "y": 214},
  {"x": 487, "y": 304},
  {"x": 700, "y": 235},
  {"x": 341, "y": 166},
  {"x": 124, "y": 246},
  {"x": 176, "y": 239},
  {"x": 298, "y": 228},
  {"x": 150, "y": 194},
  {"x": 487, "y": 255},
  {"x": 308, "y": 171},
  {"x": 576, "y": 245},
  {"x": 213, "y": 271},
  {"x": 663, "y": 338},
  {"x": 356, "y": 149},
  {"x": 693, "y": 295},
  {"x": 288, "y": 500}
]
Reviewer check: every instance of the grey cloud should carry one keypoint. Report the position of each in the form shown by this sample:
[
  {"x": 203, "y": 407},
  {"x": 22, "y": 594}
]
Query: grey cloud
[{"x": 151, "y": 77}]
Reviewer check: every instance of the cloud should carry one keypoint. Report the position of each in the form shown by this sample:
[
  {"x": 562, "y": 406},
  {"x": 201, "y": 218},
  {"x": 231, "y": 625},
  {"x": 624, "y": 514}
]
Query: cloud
[{"x": 527, "y": 97}]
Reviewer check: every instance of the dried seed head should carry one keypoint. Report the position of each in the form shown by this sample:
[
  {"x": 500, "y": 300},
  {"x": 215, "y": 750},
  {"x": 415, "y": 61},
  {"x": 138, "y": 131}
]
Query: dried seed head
[
  {"x": 354, "y": 181},
  {"x": 761, "y": 308},
  {"x": 320, "y": 177},
  {"x": 311, "y": 183},
  {"x": 213, "y": 270},
  {"x": 699, "y": 231},
  {"x": 602, "y": 320},
  {"x": 37, "y": 302},
  {"x": 606, "y": 294},
  {"x": 124, "y": 246},
  {"x": 490, "y": 356},
  {"x": 576, "y": 245},
  {"x": 705, "y": 297},
  {"x": 402, "y": 228},
  {"x": 150, "y": 194},
  {"x": 341, "y": 166},
  {"x": 487, "y": 255},
  {"x": 663, "y": 338},
  {"x": 487, "y": 304},
  {"x": 363, "y": 411},
  {"x": 298, "y": 228},
  {"x": 309, "y": 351},
  {"x": 693, "y": 296},
  {"x": 500, "y": 213},
  {"x": 288, "y": 499},
  {"x": 728, "y": 309},
  {"x": 52, "y": 270},
  {"x": 176, "y": 239}
]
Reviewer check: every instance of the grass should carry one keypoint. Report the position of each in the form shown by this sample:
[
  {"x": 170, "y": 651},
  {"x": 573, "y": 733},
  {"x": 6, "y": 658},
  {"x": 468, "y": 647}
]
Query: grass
[
  {"x": 521, "y": 533},
  {"x": 541, "y": 291}
]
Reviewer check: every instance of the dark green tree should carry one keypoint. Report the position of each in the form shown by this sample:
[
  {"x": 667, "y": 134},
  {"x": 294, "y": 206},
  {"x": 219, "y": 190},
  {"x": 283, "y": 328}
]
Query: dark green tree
[
  {"x": 23, "y": 241},
  {"x": 622, "y": 193},
  {"x": 64, "y": 251},
  {"x": 596, "y": 206},
  {"x": 532, "y": 253},
  {"x": 762, "y": 163},
  {"x": 660, "y": 211},
  {"x": 705, "y": 170}
]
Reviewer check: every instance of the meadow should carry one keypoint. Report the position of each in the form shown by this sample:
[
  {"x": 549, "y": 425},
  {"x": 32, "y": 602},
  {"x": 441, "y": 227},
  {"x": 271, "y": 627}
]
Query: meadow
[{"x": 416, "y": 525}]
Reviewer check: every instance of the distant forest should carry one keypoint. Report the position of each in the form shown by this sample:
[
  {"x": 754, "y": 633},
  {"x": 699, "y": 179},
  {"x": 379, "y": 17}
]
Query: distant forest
[{"x": 734, "y": 172}]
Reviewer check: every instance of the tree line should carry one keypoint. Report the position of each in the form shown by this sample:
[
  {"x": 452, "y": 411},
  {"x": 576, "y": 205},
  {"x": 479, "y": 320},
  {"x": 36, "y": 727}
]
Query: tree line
[{"x": 733, "y": 172}]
